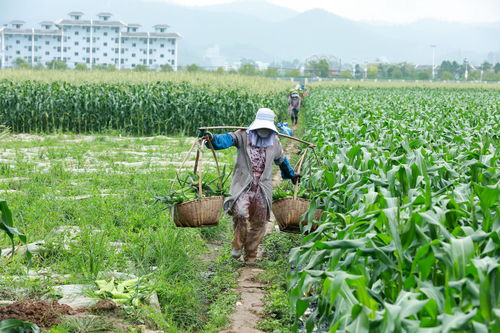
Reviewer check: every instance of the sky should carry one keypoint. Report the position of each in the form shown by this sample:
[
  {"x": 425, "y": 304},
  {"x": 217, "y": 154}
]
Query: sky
[{"x": 393, "y": 11}]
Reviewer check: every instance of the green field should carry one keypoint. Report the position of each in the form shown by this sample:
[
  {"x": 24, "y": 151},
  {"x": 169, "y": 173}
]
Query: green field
[
  {"x": 410, "y": 239},
  {"x": 91, "y": 200},
  {"x": 408, "y": 183}
]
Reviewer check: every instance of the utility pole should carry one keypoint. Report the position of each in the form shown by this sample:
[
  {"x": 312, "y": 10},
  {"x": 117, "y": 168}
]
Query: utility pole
[
  {"x": 466, "y": 74},
  {"x": 433, "y": 61}
]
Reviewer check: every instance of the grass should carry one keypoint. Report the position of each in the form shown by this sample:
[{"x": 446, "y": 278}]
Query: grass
[
  {"x": 103, "y": 187},
  {"x": 276, "y": 314}
]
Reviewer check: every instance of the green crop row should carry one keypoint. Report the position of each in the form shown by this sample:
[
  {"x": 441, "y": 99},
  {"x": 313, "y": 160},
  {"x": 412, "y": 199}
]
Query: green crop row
[
  {"x": 142, "y": 108},
  {"x": 410, "y": 237}
]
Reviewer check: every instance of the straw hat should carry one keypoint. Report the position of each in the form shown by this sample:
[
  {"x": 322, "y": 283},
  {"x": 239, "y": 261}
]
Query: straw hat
[{"x": 264, "y": 119}]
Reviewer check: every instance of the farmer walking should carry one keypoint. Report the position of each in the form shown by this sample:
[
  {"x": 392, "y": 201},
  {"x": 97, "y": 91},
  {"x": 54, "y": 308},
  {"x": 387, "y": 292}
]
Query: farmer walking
[
  {"x": 250, "y": 197},
  {"x": 294, "y": 102}
]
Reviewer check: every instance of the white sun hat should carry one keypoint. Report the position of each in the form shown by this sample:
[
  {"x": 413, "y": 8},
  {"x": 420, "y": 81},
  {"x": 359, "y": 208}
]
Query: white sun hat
[{"x": 263, "y": 119}]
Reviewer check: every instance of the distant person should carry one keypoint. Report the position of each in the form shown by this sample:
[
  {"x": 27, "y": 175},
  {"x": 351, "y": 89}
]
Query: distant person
[{"x": 294, "y": 101}]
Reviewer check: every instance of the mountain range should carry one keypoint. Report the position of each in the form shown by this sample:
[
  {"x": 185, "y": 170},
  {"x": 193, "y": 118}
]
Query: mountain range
[{"x": 255, "y": 29}]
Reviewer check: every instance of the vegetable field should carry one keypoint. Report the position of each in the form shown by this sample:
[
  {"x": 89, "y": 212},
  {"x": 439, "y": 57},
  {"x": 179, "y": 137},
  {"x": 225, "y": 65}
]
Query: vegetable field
[
  {"x": 130, "y": 103},
  {"x": 407, "y": 181},
  {"x": 137, "y": 108},
  {"x": 409, "y": 240}
]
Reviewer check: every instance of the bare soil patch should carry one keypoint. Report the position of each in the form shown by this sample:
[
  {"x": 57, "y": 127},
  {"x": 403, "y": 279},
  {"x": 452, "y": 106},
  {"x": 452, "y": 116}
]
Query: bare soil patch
[
  {"x": 103, "y": 306},
  {"x": 42, "y": 313}
]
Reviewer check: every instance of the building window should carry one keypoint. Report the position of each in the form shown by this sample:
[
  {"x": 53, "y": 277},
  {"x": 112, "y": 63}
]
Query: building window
[
  {"x": 105, "y": 54},
  {"x": 133, "y": 44},
  {"x": 76, "y": 33},
  {"x": 105, "y": 44},
  {"x": 47, "y": 53},
  {"x": 88, "y": 39},
  {"x": 76, "y": 43},
  {"x": 150, "y": 61},
  {"x": 76, "y": 53},
  {"x": 18, "y": 52},
  {"x": 29, "y": 48},
  {"x": 173, "y": 52},
  {"x": 47, "y": 43},
  {"x": 161, "y": 55},
  {"x": 18, "y": 42},
  {"x": 162, "y": 45},
  {"x": 87, "y": 61},
  {"x": 133, "y": 65},
  {"x": 133, "y": 55},
  {"x": 105, "y": 34}
]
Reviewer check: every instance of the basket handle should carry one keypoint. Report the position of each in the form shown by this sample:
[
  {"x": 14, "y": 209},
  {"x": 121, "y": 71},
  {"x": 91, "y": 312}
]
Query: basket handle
[
  {"x": 299, "y": 163},
  {"x": 184, "y": 161},
  {"x": 198, "y": 162},
  {"x": 216, "y": 163}
]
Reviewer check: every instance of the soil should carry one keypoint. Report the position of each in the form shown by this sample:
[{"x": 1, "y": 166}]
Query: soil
[
  {"x": 42, "y": 313},
  {"x": 252, "y": 293},
  {"x": 248, "y": 308},
  {"x": 104, "y": 305}
]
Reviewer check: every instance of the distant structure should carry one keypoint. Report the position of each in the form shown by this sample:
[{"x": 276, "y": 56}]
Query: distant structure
[{"x": 91, "y": 42}]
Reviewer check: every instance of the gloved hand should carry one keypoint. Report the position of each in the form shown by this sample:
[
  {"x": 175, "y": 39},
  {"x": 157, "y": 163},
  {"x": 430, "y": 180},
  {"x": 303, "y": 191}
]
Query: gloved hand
[
  {"x": 296, "y": 179},
  {"x": 204, "y": 133}
]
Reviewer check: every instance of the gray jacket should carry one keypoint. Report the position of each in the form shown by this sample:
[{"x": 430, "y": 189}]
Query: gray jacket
[{"x": 243, "y": 175}]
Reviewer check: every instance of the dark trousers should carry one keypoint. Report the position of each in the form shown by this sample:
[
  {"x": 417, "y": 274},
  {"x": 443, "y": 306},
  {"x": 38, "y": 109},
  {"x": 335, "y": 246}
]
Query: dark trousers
[{"x": 294, "y": 114}]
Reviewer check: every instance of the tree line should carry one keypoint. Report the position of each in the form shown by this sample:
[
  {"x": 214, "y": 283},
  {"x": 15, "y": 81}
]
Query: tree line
[{"x": 448, "y": 70}]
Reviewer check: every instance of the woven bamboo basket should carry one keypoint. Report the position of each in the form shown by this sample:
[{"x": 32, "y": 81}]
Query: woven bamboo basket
[
  {"x": 204, "y": 212},
  {"x": 197, "y": 213},
  {"x": 288, "y": 212}
]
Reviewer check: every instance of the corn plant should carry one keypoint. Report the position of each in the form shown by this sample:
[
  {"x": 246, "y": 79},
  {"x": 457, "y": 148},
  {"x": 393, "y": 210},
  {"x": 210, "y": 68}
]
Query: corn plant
[
  {"x": 410, "y": 237},
  {"x": 7, "y": 226},
  {"x": 139, "y": 108}
]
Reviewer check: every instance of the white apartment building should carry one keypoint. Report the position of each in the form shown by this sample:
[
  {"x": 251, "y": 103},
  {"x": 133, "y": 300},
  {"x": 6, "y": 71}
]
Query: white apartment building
[{"x": 91, "y": 42}]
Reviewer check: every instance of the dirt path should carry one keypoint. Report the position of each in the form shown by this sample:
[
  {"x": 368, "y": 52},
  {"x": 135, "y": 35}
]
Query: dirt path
[
  {"x": 251, "y": 303},
  {"x": 248, "y": 308}
]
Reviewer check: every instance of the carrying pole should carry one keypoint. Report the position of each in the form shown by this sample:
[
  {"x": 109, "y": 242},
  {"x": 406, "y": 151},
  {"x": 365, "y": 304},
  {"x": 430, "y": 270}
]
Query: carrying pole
[{"x": 244, "y": 128}]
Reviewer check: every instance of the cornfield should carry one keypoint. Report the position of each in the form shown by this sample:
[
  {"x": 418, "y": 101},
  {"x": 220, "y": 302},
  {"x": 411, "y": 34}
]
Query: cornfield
[
  {"x": 410, "y": 238},
  {"x": 139, "y": 108}
]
